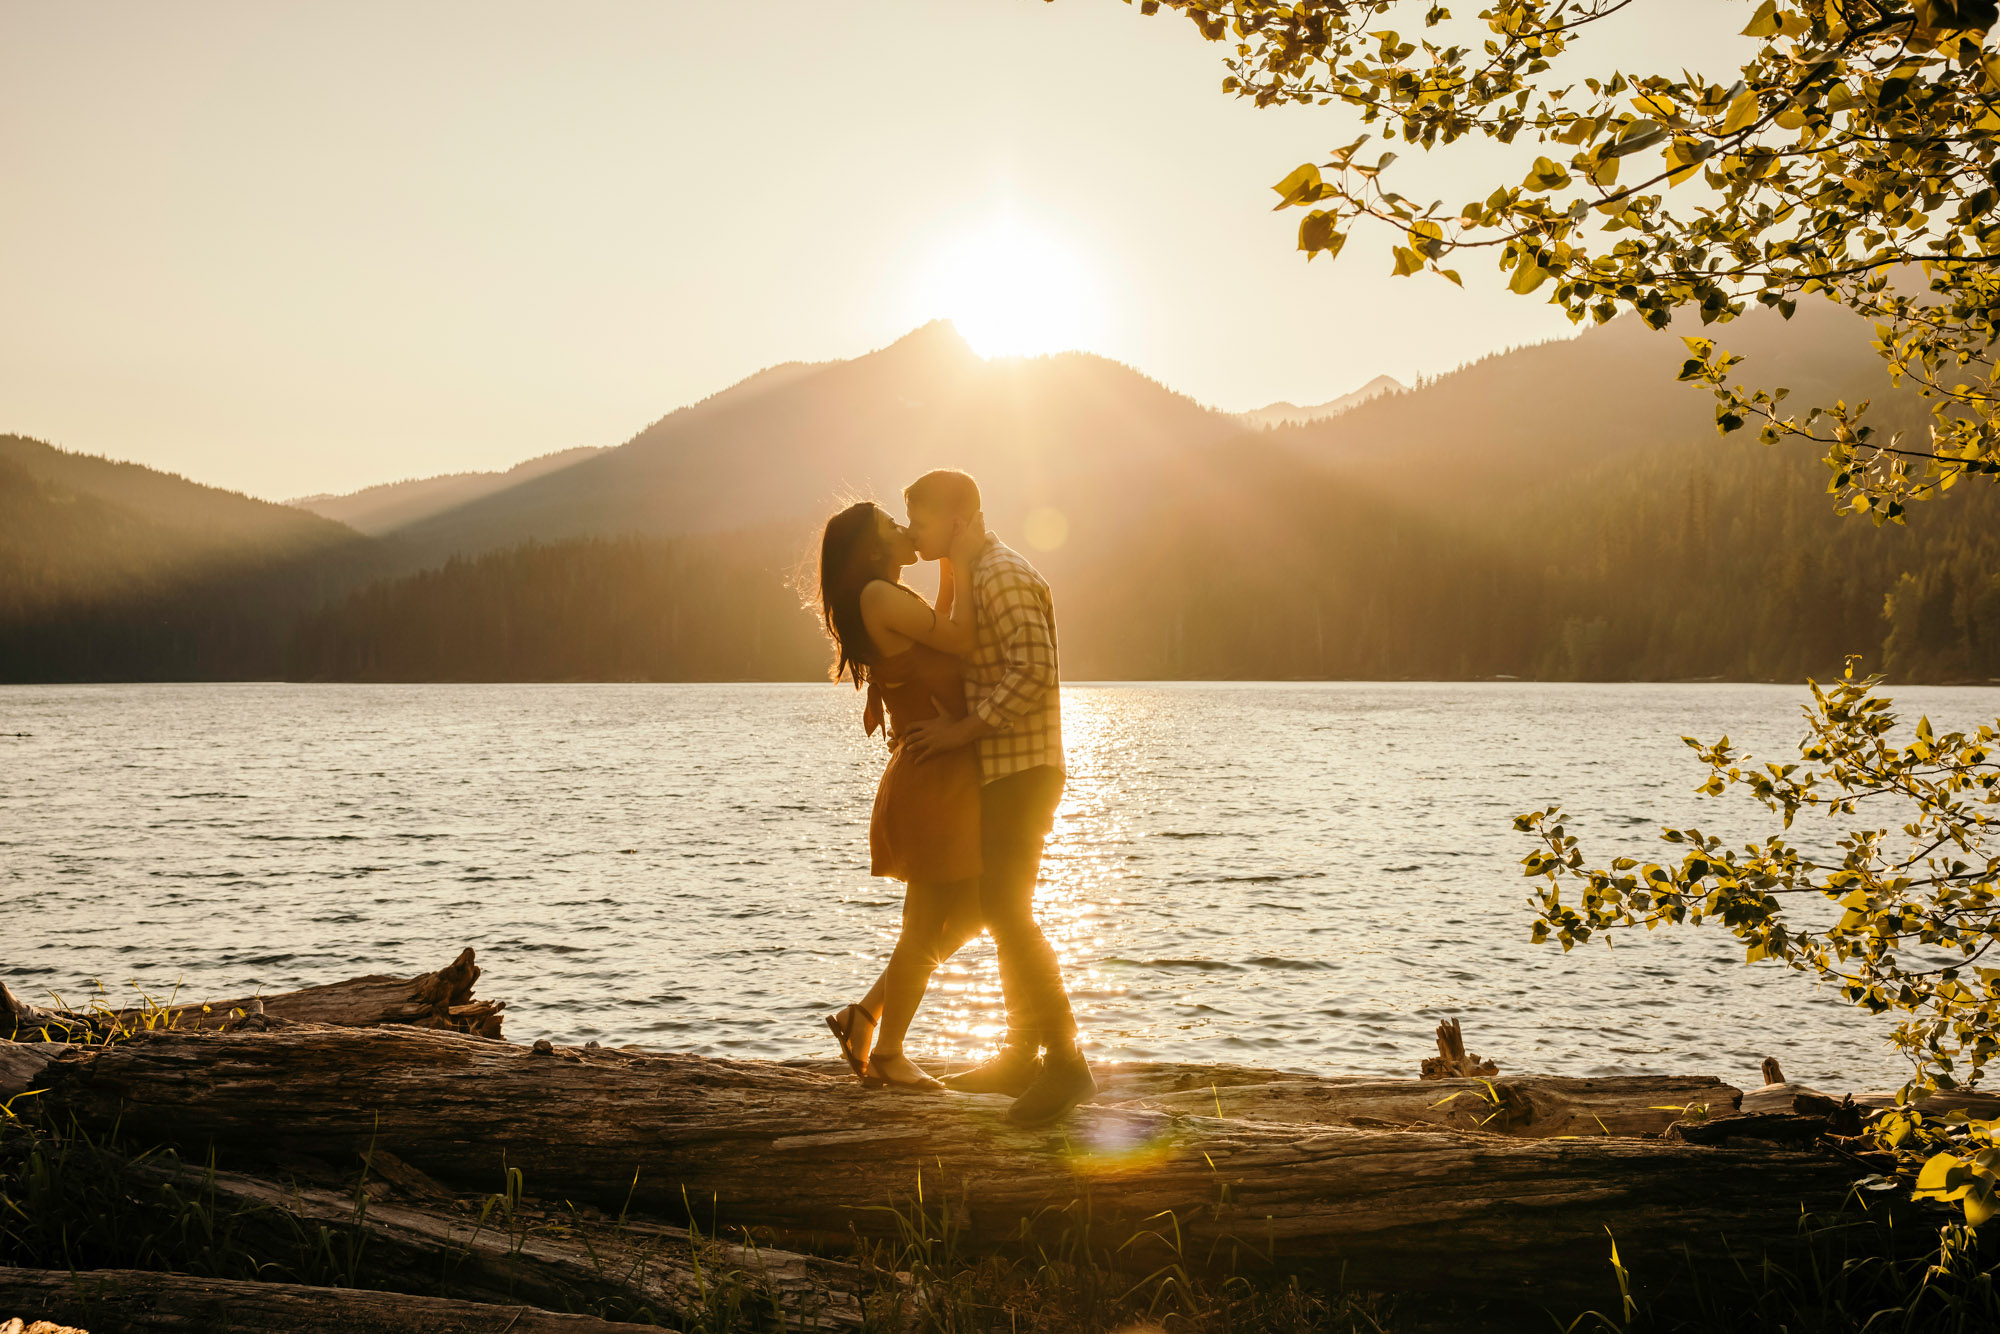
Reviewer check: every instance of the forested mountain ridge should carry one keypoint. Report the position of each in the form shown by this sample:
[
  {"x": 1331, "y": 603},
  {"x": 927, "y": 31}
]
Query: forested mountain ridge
[
  {"x": 111, "y": 570},
  {"x": 380, "y": 509},
  {"x": 589, "y": 609},
  {"x": 79, "y": 527},
  {"x": 200, "y": 514},
  {"x": 1564, "y": 511},
  {"x": 1074, "y": 431},
  {"x": 1574, "y": 405}
]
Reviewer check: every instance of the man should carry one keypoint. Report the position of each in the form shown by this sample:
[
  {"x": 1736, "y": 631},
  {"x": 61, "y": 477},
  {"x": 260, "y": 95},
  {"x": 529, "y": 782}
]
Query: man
[{"x": 1015, "y": 718}]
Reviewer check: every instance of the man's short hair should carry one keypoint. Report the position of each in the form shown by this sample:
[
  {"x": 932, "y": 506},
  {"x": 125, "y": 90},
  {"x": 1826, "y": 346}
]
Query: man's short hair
[{"x": 946, "y": 490}]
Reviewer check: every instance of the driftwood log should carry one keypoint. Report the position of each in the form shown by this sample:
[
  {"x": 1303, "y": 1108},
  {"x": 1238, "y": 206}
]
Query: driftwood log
[
  {"x": 1784, "y": 1097},
  {"x": 643, "y": 1270},
  {"x": 1452, "y": 1060},
  {"x": 1491, "y": 1215},
  {"x": 131, "y": 1301},
  {"x": 21, "y": 1063},
  {"x": 441, "y": 999},
  {"x": 1531, "y": 1106}
]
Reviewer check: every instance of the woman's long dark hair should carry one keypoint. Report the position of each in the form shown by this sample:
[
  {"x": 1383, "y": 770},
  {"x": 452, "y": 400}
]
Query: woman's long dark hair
[{"x": 850, "y": 554}]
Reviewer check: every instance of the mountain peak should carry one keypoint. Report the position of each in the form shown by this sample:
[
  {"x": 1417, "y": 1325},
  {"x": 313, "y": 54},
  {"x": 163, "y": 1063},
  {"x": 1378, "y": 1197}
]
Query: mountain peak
[
  {"x": 939, "y": 339},
  {"x": 1290, "y": 414}
]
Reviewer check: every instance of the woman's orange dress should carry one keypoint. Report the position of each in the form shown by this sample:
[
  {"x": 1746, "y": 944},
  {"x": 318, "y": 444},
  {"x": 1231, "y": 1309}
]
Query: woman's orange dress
[{"x": 926, "y": 822}]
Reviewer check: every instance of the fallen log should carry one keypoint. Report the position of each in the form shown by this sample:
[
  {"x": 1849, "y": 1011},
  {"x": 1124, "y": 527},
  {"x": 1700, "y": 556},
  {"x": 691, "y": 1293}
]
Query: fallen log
[
  {"x": 21, "y": 1063},
  {"x": 21, "y": 1022},
  {"x": 440, "y": 999},
  {"x": 1531, "y": 1106},
  {"x": 1777, "y": 1127},
  {"x": 1491, "y": 1215},
  {"x": 1786, "y": 1097},
  {"x": 642, "y": 1270},
  {"x": 132, "y": 1301}
]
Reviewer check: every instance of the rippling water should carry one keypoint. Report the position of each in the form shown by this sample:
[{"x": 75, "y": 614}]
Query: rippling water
[{"x": 1295, "y": 875}]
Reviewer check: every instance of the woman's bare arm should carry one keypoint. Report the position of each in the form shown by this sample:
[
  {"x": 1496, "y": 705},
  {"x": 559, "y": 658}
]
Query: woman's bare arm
[
  {"x": 958, "y": 603},
  {"x": 947, "y": 593},
  {"x": 887, "y": 606}
]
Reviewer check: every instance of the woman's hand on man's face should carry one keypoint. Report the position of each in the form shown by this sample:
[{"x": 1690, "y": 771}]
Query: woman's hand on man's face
[{"x": 966, "y": 540}]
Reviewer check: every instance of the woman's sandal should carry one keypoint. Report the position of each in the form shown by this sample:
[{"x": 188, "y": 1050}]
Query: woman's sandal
[
  {"x": 841, "y": 1024},
  {"x": 923, "y": 1083}
]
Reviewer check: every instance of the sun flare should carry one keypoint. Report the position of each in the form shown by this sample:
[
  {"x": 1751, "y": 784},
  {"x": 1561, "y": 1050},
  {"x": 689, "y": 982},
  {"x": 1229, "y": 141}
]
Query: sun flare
[{"x": 1012, "y": 290}]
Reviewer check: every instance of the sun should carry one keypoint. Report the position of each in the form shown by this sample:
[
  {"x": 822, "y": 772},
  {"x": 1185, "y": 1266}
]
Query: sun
[{"x": 1012, "y": 289}]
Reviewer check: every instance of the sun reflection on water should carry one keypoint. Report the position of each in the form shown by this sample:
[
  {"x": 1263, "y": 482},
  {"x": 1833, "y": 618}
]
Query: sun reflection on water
[{"x": 964, "y": 1016}]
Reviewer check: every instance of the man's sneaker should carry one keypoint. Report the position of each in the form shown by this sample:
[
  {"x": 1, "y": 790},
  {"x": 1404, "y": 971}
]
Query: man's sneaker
[
  {"x": 1011, "y": 1072},
  {"x": 1064, "y": 1082}
]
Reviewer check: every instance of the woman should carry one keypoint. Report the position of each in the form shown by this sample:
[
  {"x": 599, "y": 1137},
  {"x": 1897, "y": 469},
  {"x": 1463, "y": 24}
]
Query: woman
[{"x": 925, "y": 828}]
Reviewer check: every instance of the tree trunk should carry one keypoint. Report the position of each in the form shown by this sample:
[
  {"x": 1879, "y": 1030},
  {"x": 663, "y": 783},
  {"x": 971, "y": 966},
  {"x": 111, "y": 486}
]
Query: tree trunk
[
  {"x": 442, "y": 999},
  {"x": 1530, "y": 1106},
  {"x": 133, "y": 1301},
  {"x": 1492, "y": 1215},
  {"x": 637, "y": 1270}
]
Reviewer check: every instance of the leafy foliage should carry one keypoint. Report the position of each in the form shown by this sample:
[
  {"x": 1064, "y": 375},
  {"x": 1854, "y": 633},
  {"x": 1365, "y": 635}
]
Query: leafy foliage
[
  {"x": 1918, "y": 909},
  {"x": 1854, "y": 146}
]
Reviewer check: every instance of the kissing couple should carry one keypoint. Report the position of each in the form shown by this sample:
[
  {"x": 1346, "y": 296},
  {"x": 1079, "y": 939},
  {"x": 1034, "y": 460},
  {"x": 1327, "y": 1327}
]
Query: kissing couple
[{"x": 974, "y": 727}]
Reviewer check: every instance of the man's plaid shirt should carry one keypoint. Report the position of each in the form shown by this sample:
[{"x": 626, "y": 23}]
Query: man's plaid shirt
[{"x": 1010, "y": 679}]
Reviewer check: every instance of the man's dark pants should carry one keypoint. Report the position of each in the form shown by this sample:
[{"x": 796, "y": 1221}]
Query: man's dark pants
[{"x": 1015, "y": 815}]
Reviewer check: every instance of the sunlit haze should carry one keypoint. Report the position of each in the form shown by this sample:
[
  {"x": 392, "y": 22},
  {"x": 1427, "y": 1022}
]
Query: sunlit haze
[
  {"x": 1013, "y": 288},
  {"x": 291, "y": 248}
]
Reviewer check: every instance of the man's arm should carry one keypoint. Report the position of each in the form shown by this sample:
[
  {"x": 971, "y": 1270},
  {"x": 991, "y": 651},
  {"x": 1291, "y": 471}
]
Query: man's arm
[
  {"x": 1011, "y": 603},
  {"x": 934, "y": 736}
]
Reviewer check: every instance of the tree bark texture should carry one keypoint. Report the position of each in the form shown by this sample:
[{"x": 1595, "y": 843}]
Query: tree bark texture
[
  {"x": 21, "y": 1064},
  {"x": 1528, "y": 1106},
  {"x": 131, "y": 1301},
  {"x": 441, "y": 999},
  {"x": 1531, "y": 1106},
  {"x": 445, "y": 1248},
  {"x": 1493, "y": 1215}
]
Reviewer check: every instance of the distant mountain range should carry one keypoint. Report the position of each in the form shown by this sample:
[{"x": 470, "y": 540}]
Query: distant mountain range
[
  {"x": 1561, "y": 510},
  {"x": 1075, "y": 432},
  {"x": 382, "y": 509},
  {"x": 1291, "y": 414}
]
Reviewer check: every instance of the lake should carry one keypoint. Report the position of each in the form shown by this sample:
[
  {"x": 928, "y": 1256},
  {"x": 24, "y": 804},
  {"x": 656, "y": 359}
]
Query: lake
[{"x": 1305, "y": 876}]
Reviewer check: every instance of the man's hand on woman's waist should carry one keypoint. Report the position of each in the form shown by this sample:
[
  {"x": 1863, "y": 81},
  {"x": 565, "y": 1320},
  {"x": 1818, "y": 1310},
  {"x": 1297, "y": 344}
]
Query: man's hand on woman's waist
[{"x": 935, "y": 736}]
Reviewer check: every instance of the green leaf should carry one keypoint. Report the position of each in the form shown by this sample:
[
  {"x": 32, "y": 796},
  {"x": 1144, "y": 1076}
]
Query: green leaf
[
  {"x": 1303, "y": 186},
  {"x": 1317, "y": 235},
  {"x": 1638, "y": 135},
  {"x": 1546, "y": 174},
  {"x": 1937, "y": 1170},
  {"x": 1957, "y": 16},
  {"x": 1528, "y": 275},
  {"x": 1741, "y": 112},
  {"x": 1982, "y": 1201}
]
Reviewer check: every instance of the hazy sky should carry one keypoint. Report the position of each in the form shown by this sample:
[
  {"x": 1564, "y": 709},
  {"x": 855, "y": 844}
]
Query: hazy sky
[{"x": 289, "y": 248}]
